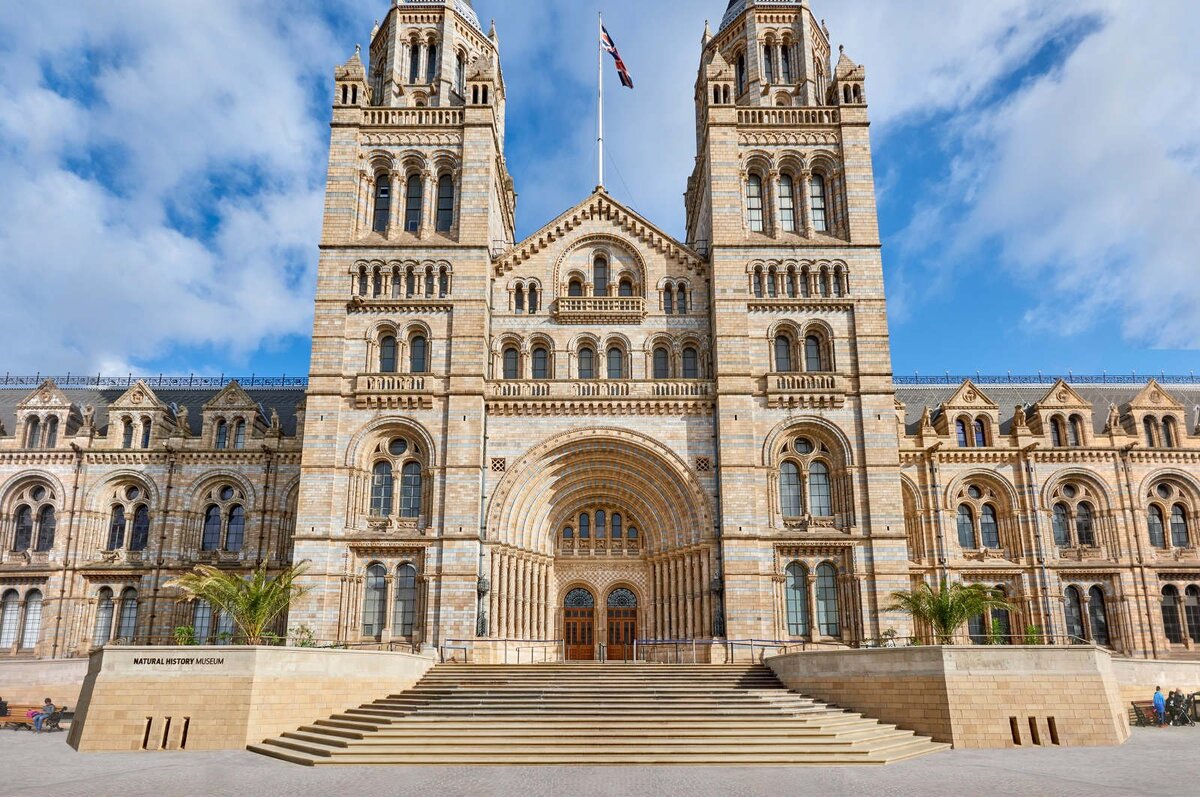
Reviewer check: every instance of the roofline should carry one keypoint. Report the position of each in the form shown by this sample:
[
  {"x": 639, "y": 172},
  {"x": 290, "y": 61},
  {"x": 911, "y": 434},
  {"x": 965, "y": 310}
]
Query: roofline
[
  {"x": 916, "y": 380},
  {"x": 189, "y": 382}
]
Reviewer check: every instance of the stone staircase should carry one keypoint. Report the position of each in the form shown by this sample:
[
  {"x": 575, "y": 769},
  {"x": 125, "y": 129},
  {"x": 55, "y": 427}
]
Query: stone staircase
[{"x": 590, "y": 714}]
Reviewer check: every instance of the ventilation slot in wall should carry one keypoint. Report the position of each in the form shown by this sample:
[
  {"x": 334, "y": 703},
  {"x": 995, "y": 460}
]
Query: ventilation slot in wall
[
  {"x": 1034, "y": 736},
  {"x": 1053, "y": 730},
  {"x": 146, "y": 734},
  {"x": 1015, "y": 727}
]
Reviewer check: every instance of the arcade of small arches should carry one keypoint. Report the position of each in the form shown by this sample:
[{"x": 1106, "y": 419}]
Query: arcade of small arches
[
  {"x": 392, "y": 347},
  {"x": 429, "y": 280},
  {"x": 603, "y": 279},
  {"x": 600, "y": 532},
  {"x": 793, "y": 195},
  {"x": 414, "y": 195},
  {"x": 586, "y": 357},
  {"x": 799, "y": 280},
  {"x": 41, "y": 431},
  {"x": 807, "y": 349},
  {"x": 811, "y": 481},
  {"x": 397, "y": 456}
]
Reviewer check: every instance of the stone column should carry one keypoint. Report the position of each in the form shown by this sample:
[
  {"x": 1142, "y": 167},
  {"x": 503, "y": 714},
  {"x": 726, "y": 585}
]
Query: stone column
[
  {"x": 493, "y": 595},
  {"x": 805, "y": 201},
  {"x": 396, "y": 211}
]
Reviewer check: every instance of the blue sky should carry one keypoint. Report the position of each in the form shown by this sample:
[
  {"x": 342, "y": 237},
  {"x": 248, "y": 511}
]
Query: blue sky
[{"x": 1038, "y": 169}]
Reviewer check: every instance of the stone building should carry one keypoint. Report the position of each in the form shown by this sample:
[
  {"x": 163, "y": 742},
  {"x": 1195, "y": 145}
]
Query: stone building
[{"x": 600, "y": 433}]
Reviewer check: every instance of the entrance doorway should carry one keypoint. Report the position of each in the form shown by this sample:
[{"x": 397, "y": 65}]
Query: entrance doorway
[
  {"x": 622, "y": 624},
  {"x": 579, "y": 619}
]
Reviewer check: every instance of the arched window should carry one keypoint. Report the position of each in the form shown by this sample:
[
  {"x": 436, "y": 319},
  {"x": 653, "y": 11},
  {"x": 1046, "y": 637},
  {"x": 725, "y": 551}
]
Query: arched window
[
  {"x": 1191, "y": 611},
  {"x": 381, "y": 489},
  {"x": 783, "y": 354},
  {"x": 519, "y": 299},
  {"x": 375, "y": 601},
  {"x": 127, "y": 627},
  {"x": 202, "y": 621},
  {"x": 410, "y": 282},
  {"x": 431, "y": 64},
  {"x": 682, "y": 303},
  {"x": 1170, "y": 615},
  {"x": 51, "y": 431},
  {"x": 533, "y": 299},
  {"x": 1062, "y": 526},
  {"x": 405, "y": 606},
  {"x": 791, "y": 283},
  {"x": 839, "y": 282},
  {"x": 1001, "y": 624},
  {"x": 211, "y": 539},
  {"x": 141, "y": 529},
  {"x": 1058, "y": 435},
  {"x": 768, "y": 64},
  {"x": 1151, "y": 427},
  {"x": 10, "y": 619},
  {"x": 754, "y": 202},
  {"x": 235, "y": 534},
  {"x": 585, "y": 527},
  {"x": 691, "y": 363},
  {"x": 575, "y": 288},
  {"x": 587, "y": 363},
  {"x": 813, "y": 359},
  {"x": 387, "y": 355},
  {"x": 601, "y": 524},
  {"x": 414, "y": 62},
  {"x": 1075, "y": 431},
  {"x": 797, "y": 600},
  {"x": 785, "y": 63},
  {"x": 668, "y": 300},
  {"x": 47, "y": 524},
  {"x": 662, "y": 363},
  {"x": 790, "y": 497},
  {"x": 568, "y": 533},
  {"x": 966, "y": 528},
  {"x": 428, "y": 283},
  {"x": 146, "y": 429},
  {"x": 787, "y": 203},
  {"x": 33, "y": 619},
  {"x": 460, "y": 74},
  {"x": 1073, "y": 614},
  {"x": 413, "y": 203},
  {"x": 1168, "y": 432},
  {"x": 127, "y": 434},
  {"x": 239, "y": 434},
  {"x": 600, "y": 276},
  {"x": 741, "y": 74},
  {"x": 410, "y": 490},
  {"x": 625, "y": 288},
  {"x": 758, "y": 283},
  {"x": 960, "y": 428},
  {"x": 102, "y": 631},
  {"x": 1098, "y": 614},
  {"x": 418, "y": 355},
  {"x": 445, "y": 204},
  {"x": 541, "y": 362},
  {"x": 980, "y": 433},
  {"x": 1084, "y": 525},
  {"x": 977, "y": 630},
  {"x": 383, "y": 202},
  {"x": 820, "y": 500},
  {"x": 444, "y": 288},
  {"x": 1158, "y": 536},
  {"x": 512, "y": 363},
  {"x": 615, "y": 363},
  {"x": 817, "y": 194},
  {"x": 222, "y": 435},
  {"x": 23, "y": 533},
  {"x": 827, "y": 601},
  {"x": 989, "y": 529},
  {"x": 1179, "y": 527},
  {"x": 362, "y": 282},
  {"x": 616, "y": 525},
  {"x": 824, "y": 283},
  {"x": 33, "y": 432}
]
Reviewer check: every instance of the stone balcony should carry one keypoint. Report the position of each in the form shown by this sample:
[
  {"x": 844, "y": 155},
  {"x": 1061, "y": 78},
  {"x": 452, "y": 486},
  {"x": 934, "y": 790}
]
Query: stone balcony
[
  {"x": 619, "y": 397},
  {"x": 600, "y": 310},
  {"x": 412, "y": 117},
  {"x": 805, "y": 391},
  {"x": 395, "y": 391}
]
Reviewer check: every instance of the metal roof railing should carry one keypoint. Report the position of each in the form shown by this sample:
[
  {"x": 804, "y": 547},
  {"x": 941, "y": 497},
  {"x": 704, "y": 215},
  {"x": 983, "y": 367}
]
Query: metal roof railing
[
  {"x": 1047, "y": 379},
  {"x": 191, "y": 381}
]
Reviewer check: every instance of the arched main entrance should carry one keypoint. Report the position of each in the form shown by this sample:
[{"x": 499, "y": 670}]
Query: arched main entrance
[
  {"x": 579, "y": 620},
  {"x": 622, "y": 624}
]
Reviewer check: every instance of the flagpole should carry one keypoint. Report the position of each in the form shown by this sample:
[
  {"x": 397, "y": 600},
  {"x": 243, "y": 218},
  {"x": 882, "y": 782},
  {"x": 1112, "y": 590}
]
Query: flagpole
[{"x": 600, "y": 96}]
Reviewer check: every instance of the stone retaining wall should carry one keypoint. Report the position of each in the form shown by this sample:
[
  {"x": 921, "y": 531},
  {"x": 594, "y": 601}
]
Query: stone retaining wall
[{"x": 30, "y": 681}]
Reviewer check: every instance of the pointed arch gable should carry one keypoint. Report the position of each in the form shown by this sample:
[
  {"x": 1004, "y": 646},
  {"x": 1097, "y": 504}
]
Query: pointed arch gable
[
  {"x": 994, "y": 478},
  {"x": 1093, "y": 480},
  {"x": 361, "y": 444},
  {"x": 94, "y": 497}
]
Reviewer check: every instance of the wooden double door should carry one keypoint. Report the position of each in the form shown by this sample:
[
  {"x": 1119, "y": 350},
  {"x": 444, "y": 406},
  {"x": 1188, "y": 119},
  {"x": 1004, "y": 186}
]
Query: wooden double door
[
  {"x": 622, "y": 630},
  {"x": 579, "y": 633},
  {"x": 579, "y": 625}
]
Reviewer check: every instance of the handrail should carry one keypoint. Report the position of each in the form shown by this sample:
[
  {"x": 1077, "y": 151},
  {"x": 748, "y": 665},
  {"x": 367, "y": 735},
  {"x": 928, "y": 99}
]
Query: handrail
[{"x": 468, "y": 645}]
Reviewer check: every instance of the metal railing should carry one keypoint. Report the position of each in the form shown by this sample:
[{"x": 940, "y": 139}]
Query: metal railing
[
  {"x": 665, "y": 651},
  {"x": 539, "y": 650},
  {"x": 75, "y": 381},
  {"x": 1047, "y": 379}
]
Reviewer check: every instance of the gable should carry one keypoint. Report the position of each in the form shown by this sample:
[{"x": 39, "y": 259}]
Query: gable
[
  {"x": 969, "y": 397},
  {"x": 48, "y": 396},
  {"x": 231, "y": 397},
  {"x": 138, "y": 397},
  {"x": 1063, "y": 397},
  {"x": 1154, "y": 398}
]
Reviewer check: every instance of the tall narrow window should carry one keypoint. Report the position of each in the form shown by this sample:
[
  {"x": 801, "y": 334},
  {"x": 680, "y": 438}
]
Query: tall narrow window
[
  {"x": 1168, "y": 432},
  {"x": 758, "y": 283},
  {"x": 381, "y": 489},
  {"x": 741, "y": 74},
  {"x": 980, "y": 434},
  {"x": 418, "y": 355},
  {"x": 541, "y": 363},
  {"x": 1151, "y": 428},
  {"x": 375, "y": 601},
  {"x": 1073, "y": 613},
  {"x": 772, "y": 283},
  {"x": 33, "y": 432},
  {"x": 141, "y": 529},
  {"x": 989, "y": 529},
  {"x": 410, "y": 490},
  {"x": 387, "y": 355},
  {"x": 575, "y": 288},
  {"x": 432, "y": 65},
  {"x": 1077, "y": 430},
  {"x": 211, "y": 539},
  {"x": 820, "y": 498},
  {"x": 444, "y": 287},
  {"x": 519, "y": 299},
  {"x": 445, "y": 206},
  {"x": 127, "y": 434},
  {"x": 662, "y": 367},
  {"x": 405, "y": 607},
  {"x": 10, "y": 619},
  {"x": 768, "y": 64},
  {"x": 47, "y": 524},
  {"x": 625, "y": 288},
  {"x": 966, "y": 528},
  {"x": 691, "y": 363},
  {"x": 383, "y": 201},
  {"x": 414, "y": 62},
  {"x": 960, "y": 428},
  {"x": 1098, "y": 614},
  {"x": 682, "y": 304},
  {"x": 51, "y": 431},
  {"x": 1191, "y": 611},
  {"x": 410, "y": 283},
  {"x": 1179, "y": 527},
  {"x": 23, "y": 533},
  {"x": 428, "y": 283},
  {"x": 977, "y": 630},
  {"x": 616, "y": 368},
  {"x": 791, "y": 283},
  {"x": 235, "y": 535},
  {"x": 827, "y": 601},
  {"x": 812, "y": 354},
  {"x": 797, "y": 600},
  {"x": 147, "y": 427},
  {"x": 601, "y": 524},
  {"x": 1084, "y": 525},
  {"x": 32, "y": 629},
  {"x": 587, "y": 363},
  {"x": 127, "y": 627},
  {"x": 668, "y": 300},
  {"x": 222, "y": 435},
  {"x": 1170, "y": 615},
  {"x": 790, "y": 497},
  {"x": 1158, "y": 536},
  {"x": 754, "y": 202},
  {"x": 783, "y": 354},
  {"x": 239, "y": 435},
  {"x": 413, "y": 201},
  {"x": 787, "y": 203},
  {"x": 600, "y": 277},
  {"x": 1062, "y": 526},
  {"x": 817, "y": 196},
  {"x": 785, "y": 63},
  {"x": 617, "y": 522},
  {"x": 202, "y": 621},
  {"x": 1058, "y": 437},
  {"x": 512, "y": 363},
  {"x": 585, "y": 527},
  {"x": 102, "y": 631},
  {"x": 533, "y": 299},
  {"x": 1073, "y": 429},
  {"x": 460, "y": 75},
  {"x": 116, "y": 529}
]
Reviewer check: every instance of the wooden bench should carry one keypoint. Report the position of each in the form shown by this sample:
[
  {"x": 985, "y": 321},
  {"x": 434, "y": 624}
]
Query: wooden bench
[
  {"x": 1144, "y": 713},
  {"x": 17, "y": 717}
]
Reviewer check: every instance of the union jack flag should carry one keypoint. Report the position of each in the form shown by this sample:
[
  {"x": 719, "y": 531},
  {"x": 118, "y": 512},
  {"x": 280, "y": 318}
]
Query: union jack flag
[{"x": 608, "y": 44}]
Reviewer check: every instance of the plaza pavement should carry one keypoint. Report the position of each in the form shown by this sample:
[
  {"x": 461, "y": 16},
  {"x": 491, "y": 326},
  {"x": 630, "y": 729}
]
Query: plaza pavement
[{"x": 1153, "y": 762}]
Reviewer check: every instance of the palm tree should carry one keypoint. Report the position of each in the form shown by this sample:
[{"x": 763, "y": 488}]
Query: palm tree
[
  {"x": 949, "y": 607},
  {"x": 252, "y": 602}
]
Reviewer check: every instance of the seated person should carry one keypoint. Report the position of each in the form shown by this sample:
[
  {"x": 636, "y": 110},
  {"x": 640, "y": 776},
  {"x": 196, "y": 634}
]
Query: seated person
[
  {"x": 43, "y": 714},
  {"x": 3, "y": 708}
]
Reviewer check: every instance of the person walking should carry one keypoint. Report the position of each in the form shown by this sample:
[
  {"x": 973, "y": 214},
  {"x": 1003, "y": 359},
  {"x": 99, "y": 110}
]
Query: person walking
[{"x": 1160, "y": 707}]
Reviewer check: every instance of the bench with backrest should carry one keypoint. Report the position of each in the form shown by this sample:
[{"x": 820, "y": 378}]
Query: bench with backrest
[
  {"x": 18, "y": 716},
  {"x": 1144, "y": 713}
]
